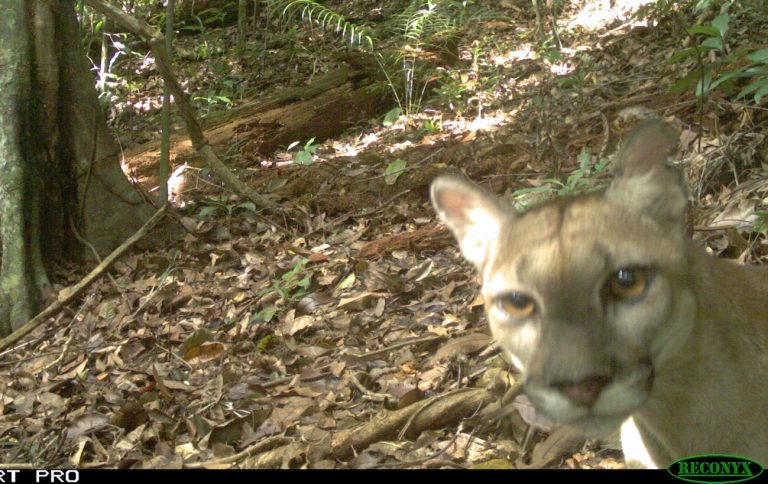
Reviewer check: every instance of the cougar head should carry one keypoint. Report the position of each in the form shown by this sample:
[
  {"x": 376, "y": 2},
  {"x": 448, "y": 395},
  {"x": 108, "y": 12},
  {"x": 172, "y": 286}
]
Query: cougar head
[{"x": 586, "y": 294}]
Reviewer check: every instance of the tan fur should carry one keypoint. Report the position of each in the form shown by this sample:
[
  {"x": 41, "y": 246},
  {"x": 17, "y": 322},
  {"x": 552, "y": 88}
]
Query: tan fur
[{"x": 687, "y": 360}]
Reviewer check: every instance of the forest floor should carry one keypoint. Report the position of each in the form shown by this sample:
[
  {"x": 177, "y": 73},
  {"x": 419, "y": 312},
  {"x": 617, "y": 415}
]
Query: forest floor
[{"x": 355, "y": 336}]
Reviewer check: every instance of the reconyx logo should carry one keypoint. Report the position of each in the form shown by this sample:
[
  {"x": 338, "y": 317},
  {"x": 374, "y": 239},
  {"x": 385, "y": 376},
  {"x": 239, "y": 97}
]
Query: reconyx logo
[{"x": 716, "y": 468}]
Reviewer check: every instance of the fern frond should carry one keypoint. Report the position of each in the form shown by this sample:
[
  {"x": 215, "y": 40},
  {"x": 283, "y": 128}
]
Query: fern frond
[{"x": 317, "y": 14}]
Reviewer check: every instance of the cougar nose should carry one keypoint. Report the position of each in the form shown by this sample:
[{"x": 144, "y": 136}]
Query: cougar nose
[{"x": 584, "y": 392}]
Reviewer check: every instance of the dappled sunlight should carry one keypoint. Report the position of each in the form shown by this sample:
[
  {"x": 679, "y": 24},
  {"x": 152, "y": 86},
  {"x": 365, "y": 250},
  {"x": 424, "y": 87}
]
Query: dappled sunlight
[
  {"x": 598, "y": 14},
  {"x": 487, "y": 123},
  {"x": 524, "y": 52}
]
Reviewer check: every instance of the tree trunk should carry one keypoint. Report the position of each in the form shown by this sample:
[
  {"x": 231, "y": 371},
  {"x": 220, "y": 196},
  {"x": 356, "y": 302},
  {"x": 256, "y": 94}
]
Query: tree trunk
[
  {"x": 58, "y": 160},
  {"x": 16, "y": 292}
]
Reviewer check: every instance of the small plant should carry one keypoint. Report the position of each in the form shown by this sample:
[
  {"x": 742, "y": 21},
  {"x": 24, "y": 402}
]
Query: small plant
[
  {"x": 292, "y": 285},
  {"x": 717, "y": 68},
  {"x": 761, "y": 224},
  {"x": 430, "y": 126},
  {"x": 581, "y": 180},
  {"x": 392, "y": 116},
  {"x": 434, "y": 25},
  {"x": 304, "y": 156},
  {"x": 210, "y": 100},
  {"x": 455, "y": 88},
  {"x": 756, "y": 69},
  {"x": 548, "y": 50},
  {"x": 711, "y": 39},
  {"x": 264, "y": 316}
]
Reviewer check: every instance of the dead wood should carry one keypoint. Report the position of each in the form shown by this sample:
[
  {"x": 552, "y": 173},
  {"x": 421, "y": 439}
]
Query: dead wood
[
  {"x": 328, "y": 106},
  {"x": 435, "y": 413},
  {"x": 320, "y": 117},
  {"x": 319, "y": 85}
]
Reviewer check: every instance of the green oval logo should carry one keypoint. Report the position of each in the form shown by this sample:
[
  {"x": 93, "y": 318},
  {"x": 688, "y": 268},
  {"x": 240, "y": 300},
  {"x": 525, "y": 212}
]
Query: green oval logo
[{"x": 718, "y": 468}]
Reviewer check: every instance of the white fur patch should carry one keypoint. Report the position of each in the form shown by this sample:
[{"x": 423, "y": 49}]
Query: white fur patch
[
  {"x": 479, "y": 236},
  {"x": 635, "y": 452}
]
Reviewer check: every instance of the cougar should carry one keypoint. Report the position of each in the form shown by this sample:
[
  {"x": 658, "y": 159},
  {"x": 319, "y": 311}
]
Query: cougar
[{"x": 615, "y": 318}]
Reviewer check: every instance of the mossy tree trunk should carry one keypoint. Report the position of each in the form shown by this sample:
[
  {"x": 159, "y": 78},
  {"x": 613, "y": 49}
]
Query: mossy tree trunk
[{"x": 59, "y": 167}]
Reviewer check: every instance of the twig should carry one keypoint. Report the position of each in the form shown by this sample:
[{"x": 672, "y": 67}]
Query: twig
[
  {"x": 262, "y": 446},
  {"x": 367, "y": 394},
  {"x": 401, "y": 344},
  {"x": 93, "y": 250},
  {"x": 426, "y": 406},
  {"x": 62, "y": 354}
]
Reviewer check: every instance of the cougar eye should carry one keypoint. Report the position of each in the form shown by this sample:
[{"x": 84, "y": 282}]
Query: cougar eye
[
  {"x": 628, "y": 283},
  {"x": 516, "y": 305}
]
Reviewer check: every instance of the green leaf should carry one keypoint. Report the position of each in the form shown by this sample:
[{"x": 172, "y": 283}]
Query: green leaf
[
  {"x": 714, "y": 43},
  {"x": 294, "y": 270},
  {"x": 583, "y": 159},
  {"x": 756, "y": 70},
  {"x": 761, "y": 224},
  {"x": 704, "y": 86},
  {"x": 760, "y": 55},
  {"x": 762, "y": 91},
  {"x": 573, "y": 181},
  {"x": 701, "y": 29},
  {"x": 700, "y": 5},
  {"x": 248, "y": 206},
  {"x": 275, "y": 184},
  {"x": 303, "y": 157},
  {"x": 752, "y": 87},
  {"x": 682, "y": 54},
  {"x": 726, "y": 77},
  {"x": 685, "y": 82},
  {"x": 554, "y": 182},
  {"x": 392, "y": 116},
  {"x": 721, "y": 24},
  {"x": 305, "y": 282},
  {"x": 205, "y": 211},
  {"x": 728, "y": 87},
  {"x": 601, "y": 164},
  {"x": 393, "y": 171}
]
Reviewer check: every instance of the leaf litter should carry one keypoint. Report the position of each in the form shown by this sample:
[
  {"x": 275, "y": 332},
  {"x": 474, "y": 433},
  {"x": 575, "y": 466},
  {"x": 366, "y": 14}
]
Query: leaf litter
[{"x": 356, "y": 342}]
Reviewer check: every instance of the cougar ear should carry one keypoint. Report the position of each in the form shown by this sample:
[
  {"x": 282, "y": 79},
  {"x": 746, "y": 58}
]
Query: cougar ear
[
  {"x": 643, "y": 180},
  {"x": 471, "y": 213}
]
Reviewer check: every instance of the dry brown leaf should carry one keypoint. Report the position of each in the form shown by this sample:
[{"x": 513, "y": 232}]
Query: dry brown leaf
[
  {"x": 358, "y": 302},
  {"x": 86, "y": 423},
  {"x": 204, "y": 353},
  {"x": 293, "y": 324}
]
